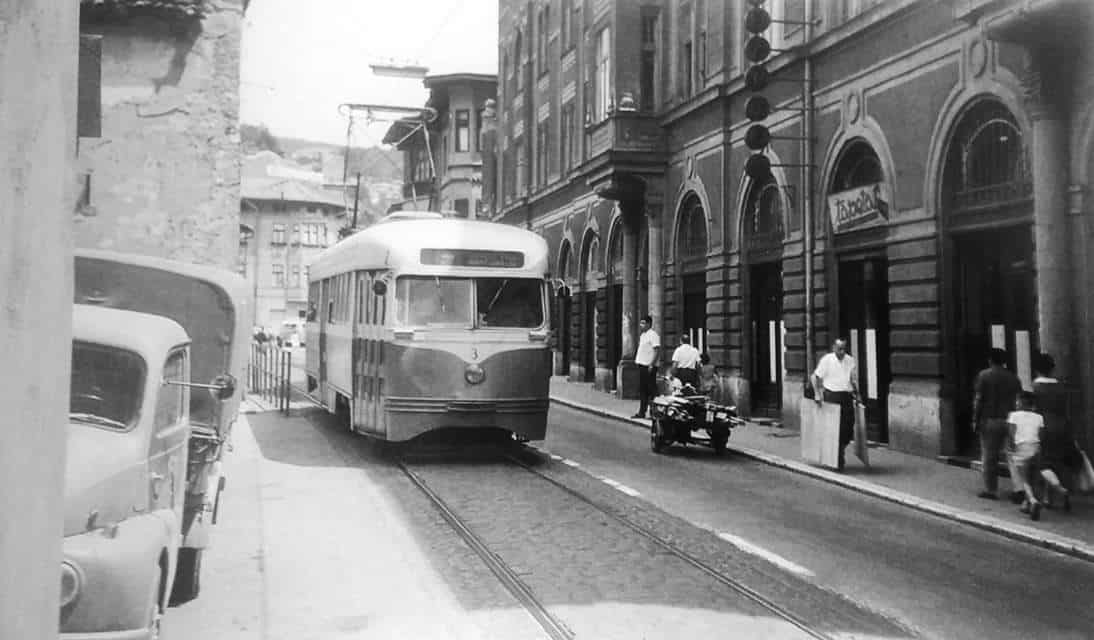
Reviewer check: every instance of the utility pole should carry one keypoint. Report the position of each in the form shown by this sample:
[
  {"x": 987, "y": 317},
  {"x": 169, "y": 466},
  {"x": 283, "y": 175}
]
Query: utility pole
[{"x": 356, "y": 196}]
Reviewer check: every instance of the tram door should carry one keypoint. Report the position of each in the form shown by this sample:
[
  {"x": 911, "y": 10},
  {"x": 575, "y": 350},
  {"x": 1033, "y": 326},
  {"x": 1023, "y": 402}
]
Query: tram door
[
  {"x": 996, "y": 308},
  {"x": 326, "y": 309},
  {"x": 864, "y": 321},
  {"x": 766, "y": 294},
  {"x": 588, "y": 334},
  {"x": 615, "y": 329},
  {"x": 695, "y": 310}
]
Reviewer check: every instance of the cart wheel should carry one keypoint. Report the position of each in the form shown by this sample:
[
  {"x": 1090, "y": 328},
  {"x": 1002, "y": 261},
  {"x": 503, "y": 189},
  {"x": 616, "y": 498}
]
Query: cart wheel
[{"x": 657, "y": 441}]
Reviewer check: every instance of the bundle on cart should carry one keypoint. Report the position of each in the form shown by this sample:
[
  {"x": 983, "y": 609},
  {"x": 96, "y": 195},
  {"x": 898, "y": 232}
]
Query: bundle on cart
[{"x": 685, "y": 417}]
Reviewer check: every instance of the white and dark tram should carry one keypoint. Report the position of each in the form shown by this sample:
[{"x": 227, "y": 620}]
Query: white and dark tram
[{"x": 422, "y": 322}]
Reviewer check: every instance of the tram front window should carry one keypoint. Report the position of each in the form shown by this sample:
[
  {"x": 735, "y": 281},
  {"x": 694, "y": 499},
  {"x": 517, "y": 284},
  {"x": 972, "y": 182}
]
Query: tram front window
[
  {"x": 431, "y": 301},
  {"x": 509, "y": 302}
]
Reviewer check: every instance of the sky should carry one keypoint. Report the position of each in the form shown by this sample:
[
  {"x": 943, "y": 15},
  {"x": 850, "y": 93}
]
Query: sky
[{"x": 298, "y": 64}]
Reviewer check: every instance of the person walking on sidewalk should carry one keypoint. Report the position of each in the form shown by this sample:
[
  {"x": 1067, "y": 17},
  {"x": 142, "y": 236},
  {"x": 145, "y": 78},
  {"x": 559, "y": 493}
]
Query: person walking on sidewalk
[
  {"x": 1060, "y": 456},
  {"x": 685, "y": 362},
  {"x": 996, "y": 390},
  {"x": 1024, "y": 430},
  {"x": 649, "y": 347},
  {"x": 835, "y": 380}
]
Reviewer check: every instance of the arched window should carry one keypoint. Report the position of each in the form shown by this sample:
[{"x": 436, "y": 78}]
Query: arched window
[
  {"x": 763, "y": 224},
  {"x": 615, "y": 255},
  {"x": 565, "y": 266},
  {"x": 692, "y": 234},
  {"x": 591, "y": 257},
  {"x": 987, "y": 163},
  {"x": 858, "y": 166}
]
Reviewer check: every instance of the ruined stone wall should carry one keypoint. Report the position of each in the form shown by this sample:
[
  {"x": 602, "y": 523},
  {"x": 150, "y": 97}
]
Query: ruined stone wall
[{"x": 165, "y": 175}]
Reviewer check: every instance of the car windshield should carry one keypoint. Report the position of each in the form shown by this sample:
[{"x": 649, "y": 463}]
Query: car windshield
[
  {"x": 509, "y": 302},
  {"x": 107, "y": 386},
  {"x": 427, "y": 301}
]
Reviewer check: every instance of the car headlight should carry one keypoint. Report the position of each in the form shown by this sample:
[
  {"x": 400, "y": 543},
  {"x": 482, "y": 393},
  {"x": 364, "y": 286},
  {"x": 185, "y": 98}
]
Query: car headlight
[
  {"x": 72, "y": 580},
  {"x": 474, "y": 374}
]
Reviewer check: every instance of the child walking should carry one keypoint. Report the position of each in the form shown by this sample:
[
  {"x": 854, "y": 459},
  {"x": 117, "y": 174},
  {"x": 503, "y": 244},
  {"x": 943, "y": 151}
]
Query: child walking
[{"x": 1025, "y": 435}]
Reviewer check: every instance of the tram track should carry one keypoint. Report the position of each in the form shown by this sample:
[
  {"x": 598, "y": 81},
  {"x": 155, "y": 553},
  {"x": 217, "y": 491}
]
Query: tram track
[{"x": 555, "y": 627}]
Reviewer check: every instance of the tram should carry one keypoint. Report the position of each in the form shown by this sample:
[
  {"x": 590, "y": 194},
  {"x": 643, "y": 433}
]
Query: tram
[{"x": 423, "y": 322}]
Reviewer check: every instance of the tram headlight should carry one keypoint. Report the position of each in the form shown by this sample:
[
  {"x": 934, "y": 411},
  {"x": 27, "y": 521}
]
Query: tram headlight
[
  {"x": 71, "y": 582},
  {"x": 474, "y": 374}
]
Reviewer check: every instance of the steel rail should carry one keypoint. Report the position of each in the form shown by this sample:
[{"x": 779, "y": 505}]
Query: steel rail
[
  {"x": 736, "y": 585},
  {"x": 554, "y": 627}
]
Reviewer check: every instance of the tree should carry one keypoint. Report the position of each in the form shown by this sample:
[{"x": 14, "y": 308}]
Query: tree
[{"x": 257, "y": 138}]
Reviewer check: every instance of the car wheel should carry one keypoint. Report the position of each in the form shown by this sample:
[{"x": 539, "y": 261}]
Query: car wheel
[{"x": 187, "y": 576}]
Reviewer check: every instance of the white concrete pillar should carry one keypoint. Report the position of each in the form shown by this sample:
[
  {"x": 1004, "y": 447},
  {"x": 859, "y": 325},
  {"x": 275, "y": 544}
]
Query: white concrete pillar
[
  {"x": 37, "y": 196},
  {"x": 656, "y": 286}
]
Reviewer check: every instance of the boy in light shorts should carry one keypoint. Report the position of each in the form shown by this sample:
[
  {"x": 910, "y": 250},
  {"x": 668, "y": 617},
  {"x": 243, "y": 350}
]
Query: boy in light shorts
[{"x": 1025, "y": 437}]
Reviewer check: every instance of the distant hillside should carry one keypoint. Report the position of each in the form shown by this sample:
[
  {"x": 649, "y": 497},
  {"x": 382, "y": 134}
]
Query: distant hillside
[{"x": 376, "y": 163}]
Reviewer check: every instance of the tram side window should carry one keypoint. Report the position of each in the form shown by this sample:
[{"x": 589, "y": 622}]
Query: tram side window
[
  {"x": 313, "y": 301},
  {"x": 509, "y": 302},
  {"x": 328, "y": 287}
]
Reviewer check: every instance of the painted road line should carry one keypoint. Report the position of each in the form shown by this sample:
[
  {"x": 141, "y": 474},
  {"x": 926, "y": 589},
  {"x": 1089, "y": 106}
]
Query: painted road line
[
  {"x": 773, "y": 558},
  {"x": 567, "y": 461},
  {"x": 619, "y": 486}
]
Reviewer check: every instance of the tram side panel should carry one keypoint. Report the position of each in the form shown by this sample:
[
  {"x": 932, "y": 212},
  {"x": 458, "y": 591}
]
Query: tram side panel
[{"x": 428, "y": 386}]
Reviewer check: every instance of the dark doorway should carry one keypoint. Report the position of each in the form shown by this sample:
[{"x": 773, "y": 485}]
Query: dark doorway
[
  {"x": 695, "y": 310},
  {"x": 765, "y": 288},
  {"x": 864, "y": 322},
  {"x": 588, "y": 335},
  {"x": 995, "y": 296},
  {"x": 615, "y": 329},
  {"x": 563, "y": 323}
]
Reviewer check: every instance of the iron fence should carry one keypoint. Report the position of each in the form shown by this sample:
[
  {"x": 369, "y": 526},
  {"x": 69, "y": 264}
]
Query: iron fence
[{"x": 268, "y": 375}]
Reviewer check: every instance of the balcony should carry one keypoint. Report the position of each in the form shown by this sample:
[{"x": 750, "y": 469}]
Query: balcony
[{"x": 626, "y": 132}]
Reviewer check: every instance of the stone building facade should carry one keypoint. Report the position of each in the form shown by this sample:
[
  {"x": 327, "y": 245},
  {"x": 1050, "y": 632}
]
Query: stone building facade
[
  {"x": 453, "y": 182},
  {"x": 162, "y": 176},
  {"x": 931, "y": 202}
]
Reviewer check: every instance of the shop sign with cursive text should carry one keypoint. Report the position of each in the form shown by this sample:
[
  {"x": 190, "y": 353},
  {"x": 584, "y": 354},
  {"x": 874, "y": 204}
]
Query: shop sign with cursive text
[{"x": 861, "y": 207}]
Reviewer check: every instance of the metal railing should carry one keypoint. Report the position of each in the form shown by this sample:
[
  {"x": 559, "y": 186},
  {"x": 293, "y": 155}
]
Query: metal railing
[{"x": 268, "y": 375}]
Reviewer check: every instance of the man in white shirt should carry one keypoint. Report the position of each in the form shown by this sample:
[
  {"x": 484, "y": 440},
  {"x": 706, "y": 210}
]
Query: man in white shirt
[
  {"x": 649, "y": 346},
  {"x": 685, "y": 362},
  {"x": 835, "y": 380}
]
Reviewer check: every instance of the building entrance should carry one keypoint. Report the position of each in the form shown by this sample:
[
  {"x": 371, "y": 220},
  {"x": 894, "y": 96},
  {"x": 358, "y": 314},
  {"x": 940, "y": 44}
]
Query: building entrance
[
  {"x": 695, "y": 309},
  {"x": 562, "y": 324},
  {"x": 765, "y": 289},
  {"x": 588, "y": 335},
  {"x": 995, "y": 308},
  {"x": 864, "y": 321},
  {"x": 615, "y": 330}
]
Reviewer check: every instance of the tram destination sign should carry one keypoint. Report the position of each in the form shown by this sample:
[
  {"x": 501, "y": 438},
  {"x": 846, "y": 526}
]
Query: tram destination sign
[
  {"x": 859, "y": 208},
  {"x": 473, "y": 258}
]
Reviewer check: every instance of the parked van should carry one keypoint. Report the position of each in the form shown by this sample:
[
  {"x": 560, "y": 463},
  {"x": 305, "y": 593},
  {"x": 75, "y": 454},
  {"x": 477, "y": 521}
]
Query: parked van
[
  {"x": 210, "y": 303},
  {"x": 125, "y": 480}
]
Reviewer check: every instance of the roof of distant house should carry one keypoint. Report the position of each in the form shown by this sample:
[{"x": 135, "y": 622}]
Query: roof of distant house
[
  {"x": 289, "y": 190},
  {"x": 188, "y": 7}
]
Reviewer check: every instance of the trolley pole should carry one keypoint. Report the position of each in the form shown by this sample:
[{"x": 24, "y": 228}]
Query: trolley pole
[{"x": 356, "y": 197}]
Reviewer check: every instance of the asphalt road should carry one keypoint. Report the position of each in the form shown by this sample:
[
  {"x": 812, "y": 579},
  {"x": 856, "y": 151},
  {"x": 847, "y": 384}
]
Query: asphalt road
[{"x": 943, "y": 579}]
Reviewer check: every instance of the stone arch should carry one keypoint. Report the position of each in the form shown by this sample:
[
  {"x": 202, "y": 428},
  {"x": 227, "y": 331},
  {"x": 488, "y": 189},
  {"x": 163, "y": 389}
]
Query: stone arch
[
  {"x": 743, "y": 191},
  {"x": 960, "y": 101},
  {"x": 615, "y": 237},
  {"x": 692, "y": 213},
  {"x": 565, "y": 261},
  {"x": 692, "y": 186},
  {"x": 590, "y": 249},
  {"x": 866, "y": 131}
]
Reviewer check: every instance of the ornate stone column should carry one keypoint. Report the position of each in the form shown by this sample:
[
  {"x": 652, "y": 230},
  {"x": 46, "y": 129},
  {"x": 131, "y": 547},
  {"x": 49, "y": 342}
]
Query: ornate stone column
[{"x": 1051, "y": 233}]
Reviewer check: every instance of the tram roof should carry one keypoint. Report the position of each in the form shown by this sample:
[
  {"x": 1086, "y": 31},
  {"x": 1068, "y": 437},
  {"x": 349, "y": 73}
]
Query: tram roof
[{"x": 398, "y": 242}]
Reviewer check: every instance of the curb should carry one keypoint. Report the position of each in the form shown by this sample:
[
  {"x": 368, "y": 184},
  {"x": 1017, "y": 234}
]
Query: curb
[{"x": 1061, "y": 544}]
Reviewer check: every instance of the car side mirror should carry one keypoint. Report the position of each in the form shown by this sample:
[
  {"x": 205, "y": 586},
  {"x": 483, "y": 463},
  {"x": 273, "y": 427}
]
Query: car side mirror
[
  {"x": 223, "y": 386},
  {"x": 379, "y": 288}
]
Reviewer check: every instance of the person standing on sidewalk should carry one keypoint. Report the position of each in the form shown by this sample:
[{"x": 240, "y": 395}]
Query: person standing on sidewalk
[
  {"x": 996, "y": 391},
  {"x": 685, "y": 362},
  {"x": 649, "y": 347},
  {"x": 835, "y": 380}
]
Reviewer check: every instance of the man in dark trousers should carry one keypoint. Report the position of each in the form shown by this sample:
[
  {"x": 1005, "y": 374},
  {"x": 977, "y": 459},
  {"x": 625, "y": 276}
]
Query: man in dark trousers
[
  {"x": 649, "y": 347},
  {"x": 996, "y": 390}
]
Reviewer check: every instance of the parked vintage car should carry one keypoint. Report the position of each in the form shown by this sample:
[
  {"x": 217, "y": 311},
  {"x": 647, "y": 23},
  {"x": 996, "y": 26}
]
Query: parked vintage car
[{"x": 125, "y": 486}]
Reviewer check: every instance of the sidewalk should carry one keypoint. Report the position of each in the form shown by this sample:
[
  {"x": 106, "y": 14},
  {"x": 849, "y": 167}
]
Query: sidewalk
[{"x": 914, "y": 481}]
